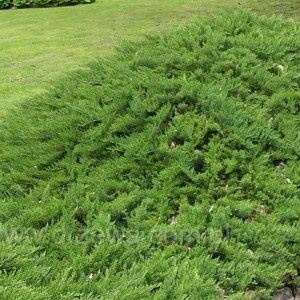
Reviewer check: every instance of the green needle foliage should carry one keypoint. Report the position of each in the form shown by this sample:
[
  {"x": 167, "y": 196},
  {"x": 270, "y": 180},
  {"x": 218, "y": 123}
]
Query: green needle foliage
[{"x": 168, "y": 171}]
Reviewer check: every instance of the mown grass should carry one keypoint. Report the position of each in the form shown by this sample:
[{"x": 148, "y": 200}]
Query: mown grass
[
  {"x": 40, "y": 45},
  {"x": 168, "y": 171}
]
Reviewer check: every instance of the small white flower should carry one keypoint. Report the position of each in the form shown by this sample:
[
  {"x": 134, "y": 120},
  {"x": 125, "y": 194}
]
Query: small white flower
[{"x": 90, "y": 277}]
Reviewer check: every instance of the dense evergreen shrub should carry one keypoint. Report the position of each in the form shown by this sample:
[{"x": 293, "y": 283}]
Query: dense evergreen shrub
[
  {"x": 169, "y": 171},
  {"x": 22, "y": 3},
  {"x": 5, "y": 4}
]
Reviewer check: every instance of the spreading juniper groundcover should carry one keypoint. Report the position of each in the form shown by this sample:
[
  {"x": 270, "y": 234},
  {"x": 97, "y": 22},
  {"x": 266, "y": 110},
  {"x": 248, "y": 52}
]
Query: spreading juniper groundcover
[{"x": 167, "y": 171}]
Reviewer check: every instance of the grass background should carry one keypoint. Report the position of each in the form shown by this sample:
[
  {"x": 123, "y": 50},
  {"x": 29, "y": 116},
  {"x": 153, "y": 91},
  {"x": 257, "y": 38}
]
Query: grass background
[{"x": 39, "y": 45}]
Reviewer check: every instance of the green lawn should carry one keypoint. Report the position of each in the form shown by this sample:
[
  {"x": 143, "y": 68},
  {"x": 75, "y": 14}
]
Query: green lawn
[{"x": 39, "y": 45}]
